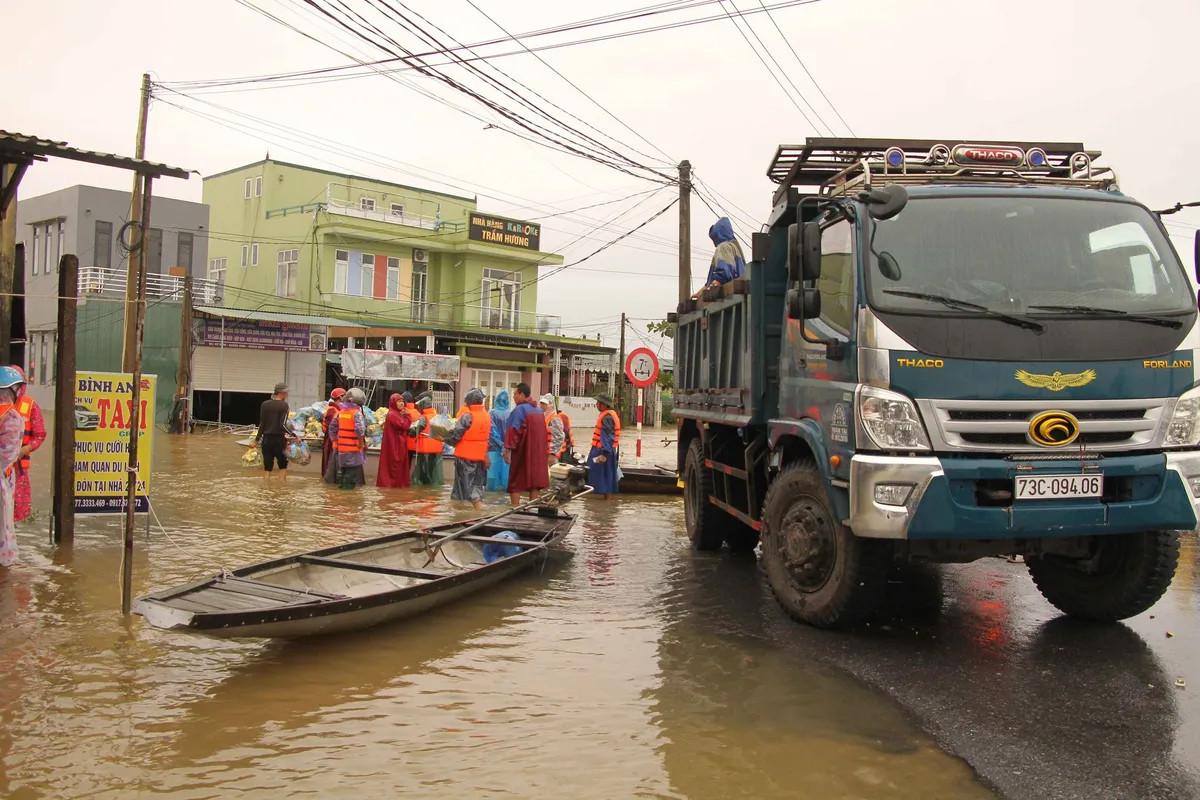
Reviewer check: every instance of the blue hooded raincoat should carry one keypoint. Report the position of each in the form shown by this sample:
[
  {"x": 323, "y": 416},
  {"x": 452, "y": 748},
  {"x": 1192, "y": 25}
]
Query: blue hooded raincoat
[
  {"x": 727, "y": 262},
  {"x": 497, "y": 476}
]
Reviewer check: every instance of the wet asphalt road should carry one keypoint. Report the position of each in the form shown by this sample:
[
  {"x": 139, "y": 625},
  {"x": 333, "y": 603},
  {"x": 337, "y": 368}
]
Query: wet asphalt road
[{"x": 1039, "y": 705}]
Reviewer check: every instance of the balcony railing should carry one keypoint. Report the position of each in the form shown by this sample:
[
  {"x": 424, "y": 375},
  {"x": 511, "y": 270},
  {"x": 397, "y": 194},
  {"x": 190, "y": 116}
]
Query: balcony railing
[
  {"x": 169, "y": 288},
  {"x": 483, "y": 318},
  {"x": 394, "y": 209}
]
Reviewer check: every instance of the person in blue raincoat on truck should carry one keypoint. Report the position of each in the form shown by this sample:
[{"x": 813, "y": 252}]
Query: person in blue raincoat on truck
[{"x": 728, "y": 263}]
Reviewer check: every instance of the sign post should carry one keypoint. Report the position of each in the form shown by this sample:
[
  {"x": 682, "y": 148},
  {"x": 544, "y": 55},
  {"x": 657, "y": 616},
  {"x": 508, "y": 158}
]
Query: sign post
[{"x": 641, "y": 368}]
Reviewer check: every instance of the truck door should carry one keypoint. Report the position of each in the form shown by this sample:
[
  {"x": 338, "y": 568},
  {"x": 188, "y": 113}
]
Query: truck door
[{"x": 815, "y": 386}]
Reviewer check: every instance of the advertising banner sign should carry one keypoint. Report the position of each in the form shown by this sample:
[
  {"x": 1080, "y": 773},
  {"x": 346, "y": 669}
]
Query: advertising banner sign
[{"x": 103, "y": 409}]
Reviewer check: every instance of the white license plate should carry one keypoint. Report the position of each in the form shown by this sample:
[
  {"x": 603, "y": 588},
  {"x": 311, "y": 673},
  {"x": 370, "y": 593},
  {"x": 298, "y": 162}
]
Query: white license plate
[{"x": 1044, "y": 487}]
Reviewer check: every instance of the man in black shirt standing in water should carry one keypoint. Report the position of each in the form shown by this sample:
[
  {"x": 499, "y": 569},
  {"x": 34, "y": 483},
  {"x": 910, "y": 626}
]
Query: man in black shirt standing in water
[{"x": 274, "y": 431}]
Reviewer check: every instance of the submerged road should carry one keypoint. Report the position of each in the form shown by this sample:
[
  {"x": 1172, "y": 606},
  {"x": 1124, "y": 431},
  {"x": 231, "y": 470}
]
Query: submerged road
[
  {"x": 1039, "y": 705},
  {"x": 637, "y": 668}
]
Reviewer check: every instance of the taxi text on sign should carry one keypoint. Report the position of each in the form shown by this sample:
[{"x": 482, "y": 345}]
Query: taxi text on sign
[{"x": 103, "y": 408}]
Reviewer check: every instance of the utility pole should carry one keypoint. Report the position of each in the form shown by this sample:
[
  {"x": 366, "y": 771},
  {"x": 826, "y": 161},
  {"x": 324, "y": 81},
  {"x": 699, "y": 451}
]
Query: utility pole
[
  {"x": 183, "y": 376},
  {"x": 62, "y": 520},
  {"x": 10, "y": 175},
  {"x": 139, "y": 316},
  {"x": 620, "y": 398},
  {"x": 136, "y": 233},
  {"x": 685, "y": 232}
]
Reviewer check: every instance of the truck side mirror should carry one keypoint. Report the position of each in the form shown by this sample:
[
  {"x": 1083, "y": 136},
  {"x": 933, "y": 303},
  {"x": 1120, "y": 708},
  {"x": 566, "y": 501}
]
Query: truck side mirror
[
  {"x": 887, "y": 202},
  {"x": 804, "y": 251},
  {"x": 1196, "y": 255},
  {"x": 803, "y": 303}
]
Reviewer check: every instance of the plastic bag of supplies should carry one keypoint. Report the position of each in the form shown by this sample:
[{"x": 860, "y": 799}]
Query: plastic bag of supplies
[
  {"x": 298, "y": 453},
  {"x": 441, "y": 426},
  {"x": 252, "y": 457}
]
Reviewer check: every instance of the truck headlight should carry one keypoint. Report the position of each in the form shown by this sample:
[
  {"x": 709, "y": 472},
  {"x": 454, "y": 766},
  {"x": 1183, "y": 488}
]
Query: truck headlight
[
  {"x": 1184, "y": 428},
  {"x": 890, "y": 420}
]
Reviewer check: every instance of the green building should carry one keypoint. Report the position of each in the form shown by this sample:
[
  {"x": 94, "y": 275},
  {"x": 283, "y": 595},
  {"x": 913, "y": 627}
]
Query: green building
[{"x": 385, "y": 267}]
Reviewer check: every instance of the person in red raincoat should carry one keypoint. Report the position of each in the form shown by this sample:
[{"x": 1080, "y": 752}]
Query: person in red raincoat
[
  {"x": 327, "y": 443},
  {"x": 393, "y": 454},
  {"x": 526, "y": 447}
]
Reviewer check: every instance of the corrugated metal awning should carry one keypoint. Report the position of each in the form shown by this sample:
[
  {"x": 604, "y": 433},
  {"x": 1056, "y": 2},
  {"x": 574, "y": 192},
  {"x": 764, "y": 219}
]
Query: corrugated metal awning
[{"x": 271, "y": 316}]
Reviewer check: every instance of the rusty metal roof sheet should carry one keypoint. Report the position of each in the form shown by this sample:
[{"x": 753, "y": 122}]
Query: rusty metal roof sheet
[{"x": 27, "y": 148}]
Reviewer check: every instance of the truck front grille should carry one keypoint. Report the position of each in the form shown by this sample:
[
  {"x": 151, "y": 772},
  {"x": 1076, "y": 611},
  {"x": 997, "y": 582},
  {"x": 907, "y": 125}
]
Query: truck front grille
[{"x": 1002, "y": 425}]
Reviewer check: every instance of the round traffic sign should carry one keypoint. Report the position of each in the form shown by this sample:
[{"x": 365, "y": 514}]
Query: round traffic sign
[{"x": 641, "y": 367}]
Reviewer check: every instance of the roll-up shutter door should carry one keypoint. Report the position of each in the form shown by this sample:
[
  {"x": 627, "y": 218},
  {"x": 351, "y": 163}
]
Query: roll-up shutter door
[{"x": 241, "y": 370}]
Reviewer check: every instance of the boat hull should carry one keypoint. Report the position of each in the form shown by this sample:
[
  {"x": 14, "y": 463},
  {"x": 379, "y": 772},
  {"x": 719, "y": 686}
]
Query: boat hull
[{"x": 355, "y": 586}]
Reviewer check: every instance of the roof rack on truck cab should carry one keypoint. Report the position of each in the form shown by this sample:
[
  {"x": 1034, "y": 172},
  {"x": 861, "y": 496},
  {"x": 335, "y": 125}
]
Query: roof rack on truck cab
[{"x": 843, "y": 166}]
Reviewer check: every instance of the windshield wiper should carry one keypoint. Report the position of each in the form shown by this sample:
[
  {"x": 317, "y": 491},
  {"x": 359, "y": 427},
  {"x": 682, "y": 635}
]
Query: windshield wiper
[
  {"x": 966, "y": 305},
  {"x": 1115, "y": 312}
]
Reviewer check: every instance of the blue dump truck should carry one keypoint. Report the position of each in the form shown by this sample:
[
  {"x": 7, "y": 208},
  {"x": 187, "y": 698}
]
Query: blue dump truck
[{"x": 945, "y": 351}]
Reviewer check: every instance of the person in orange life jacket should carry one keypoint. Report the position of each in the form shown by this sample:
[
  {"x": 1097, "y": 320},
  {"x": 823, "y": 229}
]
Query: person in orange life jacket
[
  {"x": 327, "y": 443},
  {"x": 603, "y": 472},
  {"x": 556, "y": 436},
  {"x": 12, "y": 431},
  {"x": 410, "y": 408},
  {"x": 348, "y": 431},
  {"x": 469, "y": 439},
  {"x": 427, "y": 463},
  {"x": 35, "y": 435}
]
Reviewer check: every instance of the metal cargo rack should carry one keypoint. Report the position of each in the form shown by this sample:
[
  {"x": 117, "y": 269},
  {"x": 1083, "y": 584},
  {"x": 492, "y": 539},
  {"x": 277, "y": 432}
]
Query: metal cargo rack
[{"x": 838, "y": 167}]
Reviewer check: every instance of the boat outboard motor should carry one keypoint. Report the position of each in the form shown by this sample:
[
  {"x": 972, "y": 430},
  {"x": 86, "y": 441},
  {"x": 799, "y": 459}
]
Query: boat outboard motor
[{"x": 567, "y": 481}]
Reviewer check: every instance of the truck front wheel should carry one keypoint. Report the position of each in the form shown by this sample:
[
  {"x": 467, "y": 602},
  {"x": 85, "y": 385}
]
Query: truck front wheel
[
  {"x": 703, "y": 519},
  {"x": 1127, "y": 575},
  {"x": 820, "y": 572}
]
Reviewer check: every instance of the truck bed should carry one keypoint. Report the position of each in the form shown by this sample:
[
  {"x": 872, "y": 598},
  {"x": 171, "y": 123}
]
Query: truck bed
[{"x": 727, "y": 351}]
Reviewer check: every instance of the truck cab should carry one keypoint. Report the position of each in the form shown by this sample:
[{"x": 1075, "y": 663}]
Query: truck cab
[{"x": 944, "y": 351}]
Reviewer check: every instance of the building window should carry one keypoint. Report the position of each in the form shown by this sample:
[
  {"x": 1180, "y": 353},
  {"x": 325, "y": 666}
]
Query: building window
[
  {"x": 216, "y": 274},
  {"x": 393, "y": 279},
  {"x": 253, "y": 254},
  {"x": 183, "y": 253},
  {"x": 258, "y": 186},
  {"x": 420, "y": 278},
  {"x": 62, "y": 237},
  {"x": 51, "y": 248},
  {"x": 287, "y": 269},
  {"x": 501, "y": 299},
  {"x": 247, "y": 188},
  {"x": 366, "y": 203},
  {"x": 35, "y": 262},
  {"x": 102, "y": 248},
  {"x": 245, "y": 255},
  {"x": 43, "y": 375},
  {"x": 154, "y": 254},
  {"x": 368, "y": 275},
  {"x": 341, "y": 271},
  {"x": 397, "y": 209}
]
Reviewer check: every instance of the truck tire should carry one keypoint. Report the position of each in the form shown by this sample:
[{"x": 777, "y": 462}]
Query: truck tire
[
  {"x": 704, "y": 520},
  {"x": 820, "y": 572},
  {"x": 1132, "y": 572},
  {"x": 741, "y": 538}
]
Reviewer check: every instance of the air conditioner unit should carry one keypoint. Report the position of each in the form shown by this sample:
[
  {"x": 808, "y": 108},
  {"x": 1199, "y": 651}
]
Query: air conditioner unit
[
  {"x": 317, "y": 343},
  {"x": 420, "y": 256}
]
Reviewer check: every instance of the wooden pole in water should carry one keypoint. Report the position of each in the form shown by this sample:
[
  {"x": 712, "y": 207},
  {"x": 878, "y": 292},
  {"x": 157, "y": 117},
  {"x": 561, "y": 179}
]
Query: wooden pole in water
[
  {"x": 136, "y": 405},
  {"x": 136, "y": 237},
  {"x": 62, "y": 519},
  {"x": 183, "y": 375}
]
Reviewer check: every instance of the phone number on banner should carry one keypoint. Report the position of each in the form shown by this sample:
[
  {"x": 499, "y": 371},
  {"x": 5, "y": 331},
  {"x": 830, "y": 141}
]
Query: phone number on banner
[{"x": 109, "y": 505}]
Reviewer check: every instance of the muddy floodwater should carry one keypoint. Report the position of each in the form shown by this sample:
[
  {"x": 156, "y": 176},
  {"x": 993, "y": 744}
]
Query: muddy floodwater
[{"x": 611, "y": 675}]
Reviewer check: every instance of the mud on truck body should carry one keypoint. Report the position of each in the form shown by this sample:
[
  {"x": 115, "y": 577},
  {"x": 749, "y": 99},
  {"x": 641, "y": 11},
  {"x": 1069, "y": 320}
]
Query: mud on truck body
[{"x": 944, "y": 352}]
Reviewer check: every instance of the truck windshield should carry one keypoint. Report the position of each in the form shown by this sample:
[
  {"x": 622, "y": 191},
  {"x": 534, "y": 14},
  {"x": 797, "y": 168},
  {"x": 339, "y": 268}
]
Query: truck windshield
[{"x": 1037, "y": 256}]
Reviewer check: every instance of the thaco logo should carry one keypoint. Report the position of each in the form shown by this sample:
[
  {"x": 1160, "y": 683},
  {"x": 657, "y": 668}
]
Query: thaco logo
[{"x": 973, "y": 155}]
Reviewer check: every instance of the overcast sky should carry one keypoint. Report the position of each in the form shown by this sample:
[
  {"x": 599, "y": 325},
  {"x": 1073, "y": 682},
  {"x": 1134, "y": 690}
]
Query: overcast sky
[{"x": 1118, "y": 76}]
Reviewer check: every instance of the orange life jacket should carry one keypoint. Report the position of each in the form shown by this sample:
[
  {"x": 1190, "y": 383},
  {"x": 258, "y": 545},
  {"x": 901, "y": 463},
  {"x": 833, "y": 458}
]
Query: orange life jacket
[
  {"x": 413, "y": 416},
  {"x": 25, "y": 409},
  {"x": 616, "y": 432},
  {"x": 4, "y": 409},
  {"x": 566, "y": 424},
  {"x": 347, "y": 436},
  {"x": 473, "y": 446},
  {"x": 426, "y": 444}
]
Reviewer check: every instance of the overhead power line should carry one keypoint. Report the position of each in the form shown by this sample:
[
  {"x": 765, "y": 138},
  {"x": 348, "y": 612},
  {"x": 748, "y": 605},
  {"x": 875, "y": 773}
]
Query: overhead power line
[{"x": 347, "y": 71}]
